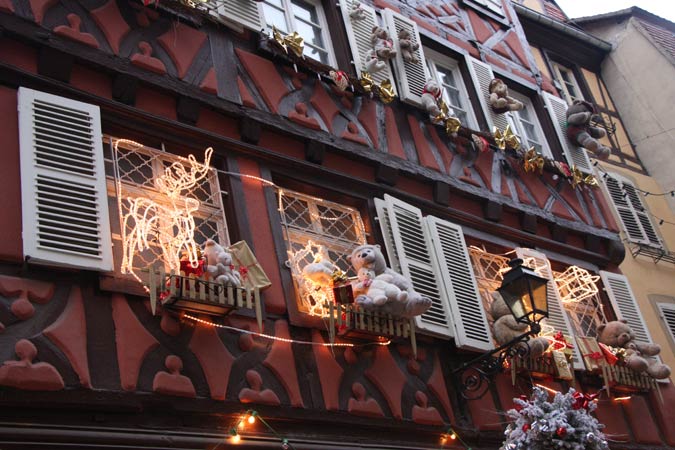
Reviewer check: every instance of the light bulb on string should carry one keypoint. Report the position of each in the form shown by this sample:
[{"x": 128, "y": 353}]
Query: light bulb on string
[
  {"x": 235, "y": 437},
  {"x": 251, "y": 417}
]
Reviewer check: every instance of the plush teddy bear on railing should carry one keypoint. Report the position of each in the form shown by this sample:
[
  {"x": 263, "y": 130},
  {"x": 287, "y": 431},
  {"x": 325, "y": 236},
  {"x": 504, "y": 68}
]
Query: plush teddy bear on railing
[
  {"x": 219, "y": 264},
  {"x": 580, "y": 131},
  {"x": 370, "y": 257},
  {"x": 378, "y": 289},
  {"x": 636, "y": 355},
  {"x": 500, "y": 100},
  {"x": 382, "y": 44},
  {"x": 505, "y": 328}
]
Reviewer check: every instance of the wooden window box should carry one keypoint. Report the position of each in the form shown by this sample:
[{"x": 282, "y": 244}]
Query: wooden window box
[
  {"x": 200, "y": 295},
  {"x": 349, "y": 321},
  {"x": 623, "y": 379},
  {"x": 541, "y": 367}
]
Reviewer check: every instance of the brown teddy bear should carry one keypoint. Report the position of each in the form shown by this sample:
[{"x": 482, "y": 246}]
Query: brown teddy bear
[
  {"x": 407, "y": 46},
  {"x": 505, "y": 327},
  {"x": 618, "y": 334},
  {"x": 382, "y": 44},
  {"x": 580, "y": 131},
  {"x": 500, "y": 100}
]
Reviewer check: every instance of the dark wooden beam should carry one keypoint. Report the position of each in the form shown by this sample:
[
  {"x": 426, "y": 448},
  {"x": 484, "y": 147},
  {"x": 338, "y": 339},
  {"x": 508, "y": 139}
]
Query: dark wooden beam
[
  {"x": 528, "y": 223},
  {"x": 386, "y": 175},
  {"x": 55, "y": 64},
  {"x": 493, "y": 211},
  {"x": 442, "y": 193},
  {"x": 124, "y": 89},
  {"x": 187, "y": 110},
  {"x": 315, "y": 152},
  {"x": 250, "y": 130}
]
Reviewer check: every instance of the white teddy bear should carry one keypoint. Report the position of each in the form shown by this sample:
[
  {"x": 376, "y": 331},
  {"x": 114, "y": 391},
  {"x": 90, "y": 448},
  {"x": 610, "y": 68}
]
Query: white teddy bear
[
  {"x": 219, "y": 264},
  {"x": 370, "y": 257},
  {"x": 372, "y": 63},
  {"x": 320, "y": 272},
  {"x": 379, "y": 288},
  {"x": 430, "y": 97}
]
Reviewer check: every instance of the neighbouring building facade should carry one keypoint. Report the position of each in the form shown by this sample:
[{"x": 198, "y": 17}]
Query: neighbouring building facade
[{"x": 280, "y": 130}]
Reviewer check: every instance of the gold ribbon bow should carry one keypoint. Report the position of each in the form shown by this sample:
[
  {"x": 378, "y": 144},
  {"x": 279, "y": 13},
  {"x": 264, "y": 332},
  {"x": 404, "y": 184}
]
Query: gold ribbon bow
[
  {"x": 452, "y": 125},
  {"x": 533, "y": 161},
  {"x": 386, "y": 91},
  {"x": 506, "y": 139},
  {"x": 292, "y": 41},
  {"x": 366, "y": 82},
  {"x": 579, "y": 178},
  {"x": 443, "y": 114},
  {"x": 339, "y": 276}
]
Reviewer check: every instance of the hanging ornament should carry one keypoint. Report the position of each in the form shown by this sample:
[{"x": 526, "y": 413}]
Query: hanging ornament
[
  {"x": 480, "y": 142},
  {"x": 526, "y": 427},
  {"x": 533, "y": 161},
  {"x": 386, "y": 91},
  {"x": 340, "y": 79},
  {"x": 366, "y": 82},
  {"x": 561, "y": 432}
]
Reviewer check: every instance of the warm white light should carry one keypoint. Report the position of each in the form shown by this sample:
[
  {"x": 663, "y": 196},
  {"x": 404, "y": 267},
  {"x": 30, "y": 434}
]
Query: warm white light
[
  {"x": 166, "y": 220},
  {"x": 251, "y": 419},
  {"x": 576, "y": 284},
  {"x": 235, "y": 439},
  {"x": 312, "y": 295}
]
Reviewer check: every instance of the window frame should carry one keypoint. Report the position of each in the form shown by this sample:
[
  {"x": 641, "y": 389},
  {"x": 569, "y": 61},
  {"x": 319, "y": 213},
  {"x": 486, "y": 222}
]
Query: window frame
[
  {"x": 493, "y": 9},
  {"x": 517, "y": 120},
  {"x": 435, "y": 59},
  {"x": 669, "y": 328},
  {"x": 558, "y": 69},
  {"x": 290, "y": 19}
]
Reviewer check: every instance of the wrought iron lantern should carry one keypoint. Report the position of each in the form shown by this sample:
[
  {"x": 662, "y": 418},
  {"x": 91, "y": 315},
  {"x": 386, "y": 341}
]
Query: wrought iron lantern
[{"x": 525, "y": 293}]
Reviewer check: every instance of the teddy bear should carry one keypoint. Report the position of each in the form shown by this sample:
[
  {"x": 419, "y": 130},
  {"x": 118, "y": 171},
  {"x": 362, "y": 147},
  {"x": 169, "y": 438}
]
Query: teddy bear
[
  {"x": 431, "y": 94},
  {"x": 372, "y": 64},
  {"x": 378, "y": 289},
  {"x": 371, "y": 257},
  {"x": 500, "y": 101},
  {"x": 637, "y": 355},
  {"x": 356, "y": 12},
  {"x": 407, "y": 46},
  {"x": 505, "y": 327},
  {"x": 320, "y": 272},
  {"x": 382, "y": 44},
  {"x": 219, "y": 264},
  {"x": 580, "y": 131}
]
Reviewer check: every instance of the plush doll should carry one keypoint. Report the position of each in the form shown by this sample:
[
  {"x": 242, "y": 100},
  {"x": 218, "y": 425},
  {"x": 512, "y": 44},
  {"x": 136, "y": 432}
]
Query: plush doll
[
  {"x": 357, "y": 12},
  {"x": 320, "y": 272},
  {"x": 407, "y": 46},
  {"x": 505, "y": 327},
  {"x": 219, "y": 264},
  {"x": 500, "y": 101},
  {"x": 637, "y": 355},
  {"x": 431, "y": 94},
  {"x": 372, "y": 64},
  {"x": 370, "y": 257},
  {"x": 378, "y": 289},
  {"x": 580, "y": 131},
  {"x": 382, "y": 44}
]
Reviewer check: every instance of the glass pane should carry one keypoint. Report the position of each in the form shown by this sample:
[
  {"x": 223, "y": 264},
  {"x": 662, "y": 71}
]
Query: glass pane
[
  {"x": 305, "y": 11},
  {"x": 446, "y": 76},
  {"x": 135, "y": 168},
  {"x": 310, "y": 33},
  {"x": 316, "y": 53},
  {"x": 453, "y": 96},
  {"x": 525, "y": 114},
  {"x": 275, "y": 17}
]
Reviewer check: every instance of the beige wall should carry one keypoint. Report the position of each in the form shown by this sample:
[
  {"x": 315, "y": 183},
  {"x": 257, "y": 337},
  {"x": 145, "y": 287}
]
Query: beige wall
[
  {"x": 640, "y": 81},
  {"x": 646, "y": 277}
]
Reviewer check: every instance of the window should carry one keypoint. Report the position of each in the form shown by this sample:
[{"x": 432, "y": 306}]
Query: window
[
  {"x": 568, "y": 83},
  {"x": 632, "y": 212},
  {"x": 490, "y": 8},
  {"x": 316, "y": 228},
  {"x": 132, "y": 171},
  {"x": 667, "y": 311},
  {"x": 307, "y": 18},
  {"x": 447, "y": 74},
  {"x": 527, "y": 125},
  {"x": 581, "y": 299}
]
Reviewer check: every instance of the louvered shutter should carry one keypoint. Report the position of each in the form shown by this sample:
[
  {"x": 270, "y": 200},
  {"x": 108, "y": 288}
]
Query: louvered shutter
[
  {"x": 404, "y": 225},
  {"x": 668, "y": 315},
  {"x": 240, "y": 14},
  {"x": 576, "y": 156},
  {"x": 466, "y": 306},
  {"x": 358, "y": 33},
  {"x": 625, "y": 306},
  {"x": 63, "y": 187},
  {"x": 410, "y": 77},
  {"x": 385, "y": 227},
  {"x": 633, "y": 214},
  {"x": 557, "y": 319},
  {"x": 482, "y": 74}
]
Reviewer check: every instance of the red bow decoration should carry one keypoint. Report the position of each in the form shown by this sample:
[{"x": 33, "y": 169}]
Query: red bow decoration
[
  {"x": 519, "y": 407},
  {"x": 596, "y": 356},
  {"x": 582, "y": 400},
  {"x": 560, "y": 342}
]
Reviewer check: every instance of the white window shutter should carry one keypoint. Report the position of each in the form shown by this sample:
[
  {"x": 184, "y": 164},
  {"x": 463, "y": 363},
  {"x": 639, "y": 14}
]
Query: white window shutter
[
  {"x": 465, "y": 303},
  {"x": 358, "y": 34},
  {"x": 632, "y": 211},
  {"x": 385, "y": 227},
  {"x": 410, "y": 77},
  {"x": 240, "y": 14},
  {"x": 415, "y": 261},
  {"x": 557, "y": 317},
  {"x": 668, "y": 315},
  {"x": 63, "y": 186},
  {"x": 482, "y": 74},
  {"x": 576, "y": 156},
  {"x": 625, "y": 306}
]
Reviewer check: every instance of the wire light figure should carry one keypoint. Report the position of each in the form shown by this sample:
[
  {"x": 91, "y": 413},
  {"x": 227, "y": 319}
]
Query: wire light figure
[{"x": 168, "y": 222}]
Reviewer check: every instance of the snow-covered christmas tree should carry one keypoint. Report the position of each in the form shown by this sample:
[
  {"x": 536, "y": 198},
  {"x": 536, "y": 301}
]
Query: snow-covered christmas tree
[{"x": 564, "y": 423}]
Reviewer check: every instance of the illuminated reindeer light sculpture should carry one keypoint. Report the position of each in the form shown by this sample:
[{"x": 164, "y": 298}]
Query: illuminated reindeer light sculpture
[{"x": 167, "y": 220}]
